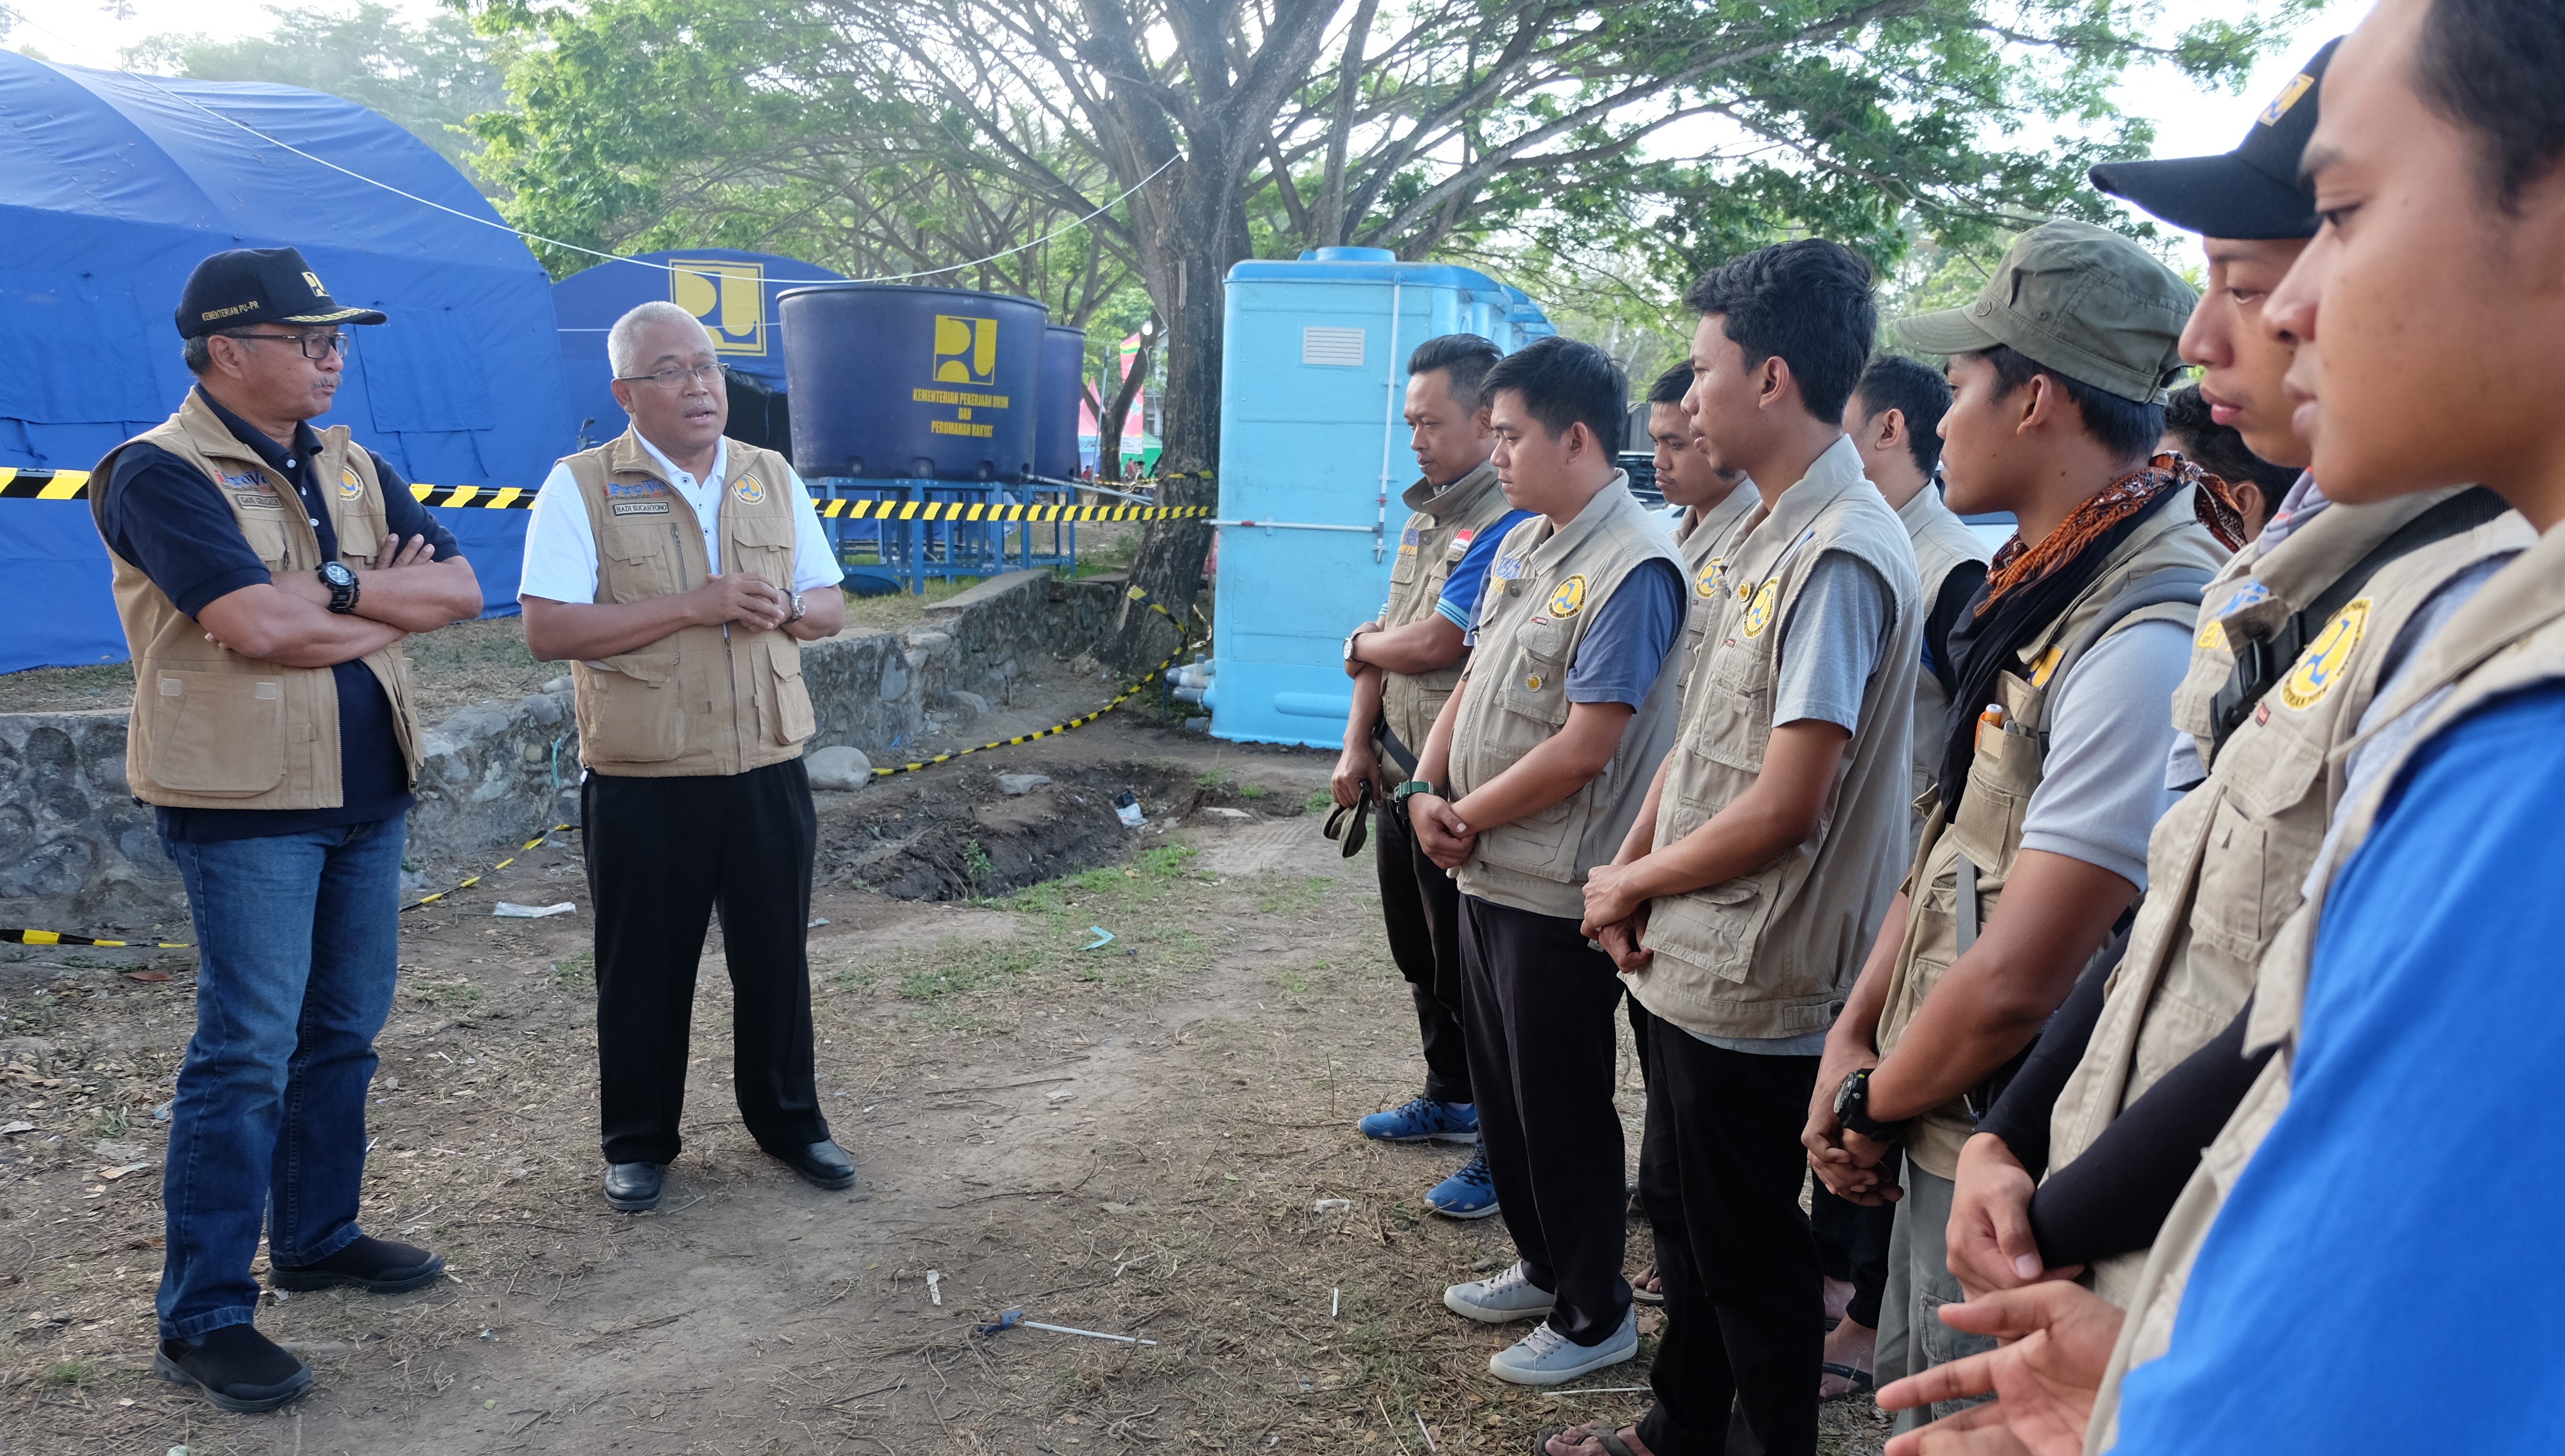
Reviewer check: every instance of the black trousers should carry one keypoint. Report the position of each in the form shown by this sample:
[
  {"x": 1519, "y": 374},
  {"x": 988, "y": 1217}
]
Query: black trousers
[
  {"x": 1720, "y": 1172},
  {"x": 1422, "y": 910},
  {"x": 1852, "y": 1245},
  {"x": 661, "y": 854},
  {"x": 1541, "y": 1056}
]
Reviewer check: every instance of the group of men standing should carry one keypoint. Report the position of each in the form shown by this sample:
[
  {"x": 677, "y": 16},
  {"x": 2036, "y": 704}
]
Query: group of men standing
[{"x": 1989, "y": 891}]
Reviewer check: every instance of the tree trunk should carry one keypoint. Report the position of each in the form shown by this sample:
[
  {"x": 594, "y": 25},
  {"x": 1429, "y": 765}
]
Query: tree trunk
[{"x": 1194, "y": 241}]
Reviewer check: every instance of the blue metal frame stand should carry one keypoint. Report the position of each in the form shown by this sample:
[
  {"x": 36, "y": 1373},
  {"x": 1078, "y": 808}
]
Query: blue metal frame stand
[{"x": 912, "y": 547}]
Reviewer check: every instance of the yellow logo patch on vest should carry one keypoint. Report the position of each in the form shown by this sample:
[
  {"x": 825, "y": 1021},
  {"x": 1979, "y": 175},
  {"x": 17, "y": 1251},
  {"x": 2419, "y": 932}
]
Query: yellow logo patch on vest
[
  {"x": 1710, "y": 582},
  {"x": 2322, "y": 664},
  {"x": 1758, "y": 612},
  {"x": 350, "y": 488},
  {"x": 1533, "y": 681},
  {"x": 2048, "y": 665},
  {"x": 750, "y": 490},
  {"x": 1568, "y": 599},
  {"x": 2212, "y": 638}
]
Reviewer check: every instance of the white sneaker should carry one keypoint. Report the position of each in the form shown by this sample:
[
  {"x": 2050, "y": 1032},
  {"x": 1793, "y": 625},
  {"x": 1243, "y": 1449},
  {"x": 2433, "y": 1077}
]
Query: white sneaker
[
  {"x": 1547, "y": 1358},
  {"x": 1508, "y": 1297}
]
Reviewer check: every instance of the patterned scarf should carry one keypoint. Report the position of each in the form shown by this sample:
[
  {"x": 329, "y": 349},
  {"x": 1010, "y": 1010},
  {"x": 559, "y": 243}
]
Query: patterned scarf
[{"x": 2018, "y": 564}]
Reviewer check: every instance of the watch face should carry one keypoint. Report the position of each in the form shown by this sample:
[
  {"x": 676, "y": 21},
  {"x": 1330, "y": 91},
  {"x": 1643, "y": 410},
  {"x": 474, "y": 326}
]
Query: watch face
[
  {"x": 1843, "y": 1094},
  {"x": 337, "y": 574}
]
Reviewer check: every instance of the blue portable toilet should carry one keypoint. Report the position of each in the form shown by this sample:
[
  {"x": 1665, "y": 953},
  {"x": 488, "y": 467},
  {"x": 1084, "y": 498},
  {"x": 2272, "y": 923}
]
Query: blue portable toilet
[
  {"x": 1313, "y": 457},
  {"x": 734, "y": 292}
]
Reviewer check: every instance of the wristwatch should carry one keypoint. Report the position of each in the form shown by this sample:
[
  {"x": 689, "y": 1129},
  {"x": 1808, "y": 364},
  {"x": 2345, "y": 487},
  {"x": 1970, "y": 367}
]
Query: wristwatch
[
  {"x": 1852, "y": 1109},
  {"x": 1399, "y": 796},
  {"x": 1351, "y": 638},
  {"x": 342, "y": 587},
  {"x": 798, "y": 607}
]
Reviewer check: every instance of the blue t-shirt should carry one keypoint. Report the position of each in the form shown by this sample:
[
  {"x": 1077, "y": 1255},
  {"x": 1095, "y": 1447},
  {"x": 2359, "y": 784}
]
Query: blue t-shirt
[
  {"x": 2358, "y": 1292},
  {"x": 1459, "y": 605},
  {"x": 162, "y": 514}
]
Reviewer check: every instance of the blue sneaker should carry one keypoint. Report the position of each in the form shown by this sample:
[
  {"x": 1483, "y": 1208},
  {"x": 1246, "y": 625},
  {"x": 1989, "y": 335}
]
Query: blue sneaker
[
  {"x": 1424, "y": 1120},
  {"x": 1469, "y": 1193}
]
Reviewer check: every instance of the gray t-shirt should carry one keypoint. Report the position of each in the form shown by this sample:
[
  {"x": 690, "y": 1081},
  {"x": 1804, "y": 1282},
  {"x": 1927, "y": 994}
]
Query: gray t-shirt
[
  {"x": 2110, "y": 728},
  {"x": 1832, "y": 643}
]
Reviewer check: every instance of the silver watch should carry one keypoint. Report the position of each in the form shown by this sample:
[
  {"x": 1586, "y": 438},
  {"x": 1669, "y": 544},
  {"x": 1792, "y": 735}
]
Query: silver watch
[{"x": 798, "y": 607}]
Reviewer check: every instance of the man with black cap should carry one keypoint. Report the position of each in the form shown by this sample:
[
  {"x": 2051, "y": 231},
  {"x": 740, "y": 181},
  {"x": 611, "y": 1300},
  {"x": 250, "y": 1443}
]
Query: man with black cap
[
  {"x": 266, "y": 574},
  {"x": 2142, "y": 1066},
  {"x": 2052, "y": 768}
]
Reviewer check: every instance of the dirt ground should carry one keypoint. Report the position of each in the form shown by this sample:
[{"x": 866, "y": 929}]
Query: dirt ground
[{"x": 1142, "y": 1138}]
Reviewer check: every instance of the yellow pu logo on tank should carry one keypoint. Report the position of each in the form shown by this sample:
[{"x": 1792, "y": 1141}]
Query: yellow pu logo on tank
[
  {"x": 730, "y": 298},
  {"x": 966, "y": 350}
]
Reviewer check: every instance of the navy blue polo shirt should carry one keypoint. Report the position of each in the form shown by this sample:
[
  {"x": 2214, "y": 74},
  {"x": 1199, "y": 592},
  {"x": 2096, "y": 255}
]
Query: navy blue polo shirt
[{"x": 164, "y": 516}]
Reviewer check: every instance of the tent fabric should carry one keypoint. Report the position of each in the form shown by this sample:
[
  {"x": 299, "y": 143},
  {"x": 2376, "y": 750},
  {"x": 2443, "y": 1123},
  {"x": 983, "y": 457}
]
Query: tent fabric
[
  {"x": 118, "y": 184},
  {"x": 732, "y": 291}
]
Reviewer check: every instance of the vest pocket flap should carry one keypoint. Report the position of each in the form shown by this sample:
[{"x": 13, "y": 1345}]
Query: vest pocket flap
[
  {"x": 635, "y": 542},
  {"x": 1542, "y": 639},
  {"x": 1545, "y": 704},
  {"x": 653, "y": 669},
  {"x": 786, "y": 654},
  {"x": 217, "y": 734},
  {"x": 269, "y": 541},
  {"x": 1713, "y": 928},
  {"x": 761, "y": 530},
  {"x": 794, "y": 719},
  {"x": 2270, "y": 768}
]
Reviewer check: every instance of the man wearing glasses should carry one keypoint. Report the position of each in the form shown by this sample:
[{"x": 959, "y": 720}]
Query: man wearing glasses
[
  {"x": 266, "y": 574},
  {"x": 680, "y": 572}
]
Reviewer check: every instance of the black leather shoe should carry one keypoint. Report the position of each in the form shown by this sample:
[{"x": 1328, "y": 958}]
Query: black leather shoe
[
  {"x": 632, "y": 1187},
  {"x": 365, "y": 1263},
  {"x": 237, "y": 1367},
  {"x": 822, "y": 1164}
]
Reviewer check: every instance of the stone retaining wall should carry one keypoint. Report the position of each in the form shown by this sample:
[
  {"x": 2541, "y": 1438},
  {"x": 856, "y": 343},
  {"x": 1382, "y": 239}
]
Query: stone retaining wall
[{"x": 76, "y": 855}]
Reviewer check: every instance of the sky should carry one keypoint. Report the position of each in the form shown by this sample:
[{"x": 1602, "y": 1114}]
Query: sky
[{"x": 2188, "y": 122}]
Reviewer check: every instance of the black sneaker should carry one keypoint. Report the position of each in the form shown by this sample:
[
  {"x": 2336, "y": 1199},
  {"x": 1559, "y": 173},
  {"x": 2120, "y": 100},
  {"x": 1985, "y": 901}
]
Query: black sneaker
[
  {"x": 367, "y": 1263},
  {"x": 237, "y": 1367}
]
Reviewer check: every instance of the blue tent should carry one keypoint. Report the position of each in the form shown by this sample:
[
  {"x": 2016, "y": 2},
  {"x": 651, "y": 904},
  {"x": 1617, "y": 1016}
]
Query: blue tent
[
  {"x": 731, "y": 291},
  {"x": 117, "y": 184}
]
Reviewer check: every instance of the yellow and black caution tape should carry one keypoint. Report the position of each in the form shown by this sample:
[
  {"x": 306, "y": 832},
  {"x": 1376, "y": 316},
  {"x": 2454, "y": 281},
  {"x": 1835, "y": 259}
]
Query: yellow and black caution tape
[
  {"x": 72, "y": 485},
  {"x": 1125, "y": 696},
  {"x": 57, "y": 937},
  {"x": 458, "y": 887}
]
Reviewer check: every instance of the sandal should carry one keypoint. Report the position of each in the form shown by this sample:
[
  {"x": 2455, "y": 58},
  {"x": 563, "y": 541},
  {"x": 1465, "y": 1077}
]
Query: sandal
[
  {"x": 1639, "y": 1287},
  {"x": 1349, "y": 836},
  {"x": 1610, "y": 1437},
  {"x": 1862, "y": 1381}
]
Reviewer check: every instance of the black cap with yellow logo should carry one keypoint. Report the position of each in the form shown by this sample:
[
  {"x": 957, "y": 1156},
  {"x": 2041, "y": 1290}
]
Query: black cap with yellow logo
[
  {"x": 2251, "y": 192},
  {"x": 251, "y": 286}
]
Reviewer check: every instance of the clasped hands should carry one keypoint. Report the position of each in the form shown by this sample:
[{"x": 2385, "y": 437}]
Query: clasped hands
[{"x": 1616, "y": 912}]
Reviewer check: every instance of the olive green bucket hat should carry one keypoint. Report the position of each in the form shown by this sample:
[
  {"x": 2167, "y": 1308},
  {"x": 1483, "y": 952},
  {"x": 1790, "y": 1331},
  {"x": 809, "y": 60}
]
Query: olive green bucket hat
[{"x": 2080, "y": 300}]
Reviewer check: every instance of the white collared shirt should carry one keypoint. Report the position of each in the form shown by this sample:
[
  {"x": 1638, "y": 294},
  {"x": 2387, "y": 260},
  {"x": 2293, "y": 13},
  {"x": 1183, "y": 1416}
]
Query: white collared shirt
[{"x": 561, "y": 543}]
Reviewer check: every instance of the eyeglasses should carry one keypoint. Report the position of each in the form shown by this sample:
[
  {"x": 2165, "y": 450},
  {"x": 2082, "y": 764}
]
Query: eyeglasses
[
  {"x": 329, "y": 343},
  {"x": 675, "y": 378}
]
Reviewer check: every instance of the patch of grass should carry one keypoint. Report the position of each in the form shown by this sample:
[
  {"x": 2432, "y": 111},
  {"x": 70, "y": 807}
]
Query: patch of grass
[
  {"x": 455, "y": 994},
  {"x": 113, "y": 1122},
  {"x": 1252, "y": 791},
  {"x": 1296, "y": 899},
  {"x": 1293, "y": 982},
  {"x": 70, "y": 1373},
  {"x": 955, "y": 967},
  {"x": 577, "y": 974},
  {"x": 857, "y": 979},
  {"x": 976, "y": 860},
  {"x": 1318, "y": 803},
  {"x": 1215, "y": 778}
]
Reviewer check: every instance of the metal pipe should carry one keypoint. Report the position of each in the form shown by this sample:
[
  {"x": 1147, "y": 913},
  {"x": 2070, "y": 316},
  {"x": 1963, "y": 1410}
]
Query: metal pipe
[{"x": 1292, "y": 525}]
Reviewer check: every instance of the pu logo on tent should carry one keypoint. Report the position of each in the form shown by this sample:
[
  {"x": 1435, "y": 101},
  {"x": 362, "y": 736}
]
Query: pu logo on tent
[
  {"x": 729, "y": 298},
  {"x": 966, "y": 350}
]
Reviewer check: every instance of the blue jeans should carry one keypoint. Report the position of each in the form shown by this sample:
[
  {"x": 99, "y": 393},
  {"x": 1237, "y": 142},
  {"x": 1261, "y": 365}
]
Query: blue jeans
[{"x": 298, "y": 937}]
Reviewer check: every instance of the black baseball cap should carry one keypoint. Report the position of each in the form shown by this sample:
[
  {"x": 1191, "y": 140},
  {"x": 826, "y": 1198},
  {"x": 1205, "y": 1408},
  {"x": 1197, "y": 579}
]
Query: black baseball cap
[
  {"x": 2251, "y": 192},
  {"x": 247, "y": 286}
]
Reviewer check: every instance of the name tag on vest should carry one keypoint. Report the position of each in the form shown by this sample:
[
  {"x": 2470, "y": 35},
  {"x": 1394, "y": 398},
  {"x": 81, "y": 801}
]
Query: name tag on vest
[
  {"x": 258, "y": 503},
  {"x": 640, "y": 507}
]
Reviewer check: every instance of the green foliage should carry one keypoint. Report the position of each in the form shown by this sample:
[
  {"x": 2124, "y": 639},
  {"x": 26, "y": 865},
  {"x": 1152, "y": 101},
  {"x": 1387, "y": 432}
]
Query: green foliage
[
  {"x": 430, "y": 78},
  {"x": 70, "y": 1374}
]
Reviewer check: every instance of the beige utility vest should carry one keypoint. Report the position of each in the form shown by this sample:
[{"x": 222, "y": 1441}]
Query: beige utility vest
[
  {"x": 211, "y": 728},
  {"x": 2508, "y": 637},
  {"x": 1774, "y": 953},
  {"x": 1544, "y": 589},
  {"x": 2225, "y": 865},
  {"x": 702, "y": 700},
  {"x": 1699, "y": 541},
  {"x": 1445, "y": 521},
  {"x": 1941, "y": 541},
  {"x": 1969, "y": 856}
]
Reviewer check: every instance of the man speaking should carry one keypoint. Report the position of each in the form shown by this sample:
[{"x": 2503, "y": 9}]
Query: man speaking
[{"x": 680, "y": 572}]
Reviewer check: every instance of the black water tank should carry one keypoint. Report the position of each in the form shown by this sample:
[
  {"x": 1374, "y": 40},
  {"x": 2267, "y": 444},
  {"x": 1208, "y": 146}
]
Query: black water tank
[
  {"x": 1063, "y": 383},
  {"x": 893, "y": 382}
]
